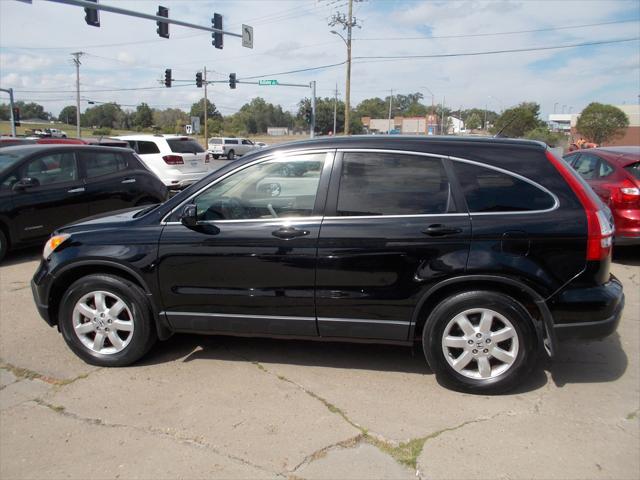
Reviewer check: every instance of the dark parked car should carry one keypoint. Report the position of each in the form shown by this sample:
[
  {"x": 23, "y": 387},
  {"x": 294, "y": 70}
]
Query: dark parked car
[
  {"x": 484, "y": 251},
  {"x": 614, "y": 174},
  {"x": 43, "y": 187}
]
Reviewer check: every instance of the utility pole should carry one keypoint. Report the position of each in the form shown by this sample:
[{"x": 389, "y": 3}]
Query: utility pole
[
  {"x": 442, "y": 132},
  {"x": 76, "y": 59},
  {"x": 206, "y": 132},
  {"x": 335, "y": 109},
  {"x": 312, "y": 132},
  {"x": 348, "y": 22}
]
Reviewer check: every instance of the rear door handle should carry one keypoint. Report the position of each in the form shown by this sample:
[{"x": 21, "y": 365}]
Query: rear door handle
[
  {"x": 129, "y": 180},
  {"x": 287, "y": 233},
  {"x": 76, "y": 190},
  {"x": 439, "y": 230}
]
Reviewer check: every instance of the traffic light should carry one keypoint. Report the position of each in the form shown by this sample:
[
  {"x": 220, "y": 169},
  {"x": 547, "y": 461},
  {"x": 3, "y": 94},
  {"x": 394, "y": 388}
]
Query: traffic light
[
  {"x": 167, "y": 78},
  {"x": 16, "y": 116},
  {"x": 163, "y": 28},
  {"x": 199, "y": 80},
  {"x": 92, "y": 15},
  {"x": 216, "y": 22},
  {"x": 232, "y": 80},
  {"x": 308, "y": 115}
]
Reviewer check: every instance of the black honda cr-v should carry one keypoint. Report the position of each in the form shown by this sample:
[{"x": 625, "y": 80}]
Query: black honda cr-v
[{"x": 485, "y": 251}]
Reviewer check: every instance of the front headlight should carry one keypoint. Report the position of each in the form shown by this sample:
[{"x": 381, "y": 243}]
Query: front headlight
[{"x": 53, "y": 243}]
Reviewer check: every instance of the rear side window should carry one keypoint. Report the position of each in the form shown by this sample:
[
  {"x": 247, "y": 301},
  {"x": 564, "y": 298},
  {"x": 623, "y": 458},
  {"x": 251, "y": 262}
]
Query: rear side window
[
  {"x": 184, "y": 146},
  {"x": 97, "y": 164},
  {"x": 487, "y": 190},
  {"x": 392, "y": 184},
  {"x": 634, "y": 169},
  {"x": 145, "y": 148},
  {"x": 231, "y": 142},
  {"x": 586, "y": 166}
]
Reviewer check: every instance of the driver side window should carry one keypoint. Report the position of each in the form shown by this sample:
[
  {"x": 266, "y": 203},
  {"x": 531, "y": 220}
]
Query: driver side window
[{"x": 284, "y": 187}]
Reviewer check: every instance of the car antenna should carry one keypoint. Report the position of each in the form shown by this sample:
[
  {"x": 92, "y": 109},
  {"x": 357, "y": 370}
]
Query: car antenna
[{"x": 497, "y": 135}]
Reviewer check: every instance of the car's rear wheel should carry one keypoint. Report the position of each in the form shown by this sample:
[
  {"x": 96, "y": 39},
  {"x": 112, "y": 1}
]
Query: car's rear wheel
[
  {"x": 480, "y": 342},
  {"x": 216, "y": 157},
  {"x": 231, "y": 155},
  {"x": 106, "y": 320}
]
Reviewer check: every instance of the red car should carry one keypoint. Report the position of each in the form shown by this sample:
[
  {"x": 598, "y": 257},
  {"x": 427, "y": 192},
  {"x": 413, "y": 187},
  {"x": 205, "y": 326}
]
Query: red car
[{"x": 614, "y": 174}]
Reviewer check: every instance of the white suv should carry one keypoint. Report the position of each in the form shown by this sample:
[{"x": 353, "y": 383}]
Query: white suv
[
  {"x": 178, "y": 161},
  {"x": 230, "y": 147}
]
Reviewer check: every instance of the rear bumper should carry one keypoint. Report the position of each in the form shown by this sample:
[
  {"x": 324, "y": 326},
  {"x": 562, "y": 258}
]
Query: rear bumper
[
  {"x": 588, "y": 312},
  {"x": 182, "y": 180}
]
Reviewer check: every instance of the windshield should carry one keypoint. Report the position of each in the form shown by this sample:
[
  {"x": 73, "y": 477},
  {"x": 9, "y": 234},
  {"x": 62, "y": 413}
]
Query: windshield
[
  {"x": 9, "y": 159},
  {"x": 186, "y": 145}
]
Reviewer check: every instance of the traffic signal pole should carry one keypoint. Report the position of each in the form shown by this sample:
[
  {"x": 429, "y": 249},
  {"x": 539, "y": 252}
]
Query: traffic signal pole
[{"x": 206, "y": 104}]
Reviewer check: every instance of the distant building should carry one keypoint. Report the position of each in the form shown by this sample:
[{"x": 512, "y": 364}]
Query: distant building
[
  {"x": 427, "y": 125},
  {"x": 455, "y": 126},
  {"x": 561, "y": 122},
  {"x": 277, "y": 131}
]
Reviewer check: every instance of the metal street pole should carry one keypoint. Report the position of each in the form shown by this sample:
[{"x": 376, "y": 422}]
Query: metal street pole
[
  {"x": 312, "y": 133},
  {"x": 76, "y": 60},
  {"x": 347, "y": 95},
  {"x": 335, "y": 109},
  {"x": 206, "y": 104},
  {"x": 390, "y": 104},
  {"x": 11, "y": 117}
]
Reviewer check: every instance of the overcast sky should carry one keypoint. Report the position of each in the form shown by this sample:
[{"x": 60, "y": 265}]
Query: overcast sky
[{"x": 36, "y": 41}]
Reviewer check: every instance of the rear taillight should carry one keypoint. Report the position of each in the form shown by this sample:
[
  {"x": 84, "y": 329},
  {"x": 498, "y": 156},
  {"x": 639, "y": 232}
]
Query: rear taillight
[
  {"x": 599, "y": 228},
  {"x": 628, "y": 192},
  {"x": 207, "y": 158},
  {"x": 173, "y": 160}
]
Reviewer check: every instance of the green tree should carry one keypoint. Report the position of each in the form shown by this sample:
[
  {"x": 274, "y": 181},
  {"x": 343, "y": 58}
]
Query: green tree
[
  {"x": 543, "y": 134},
  {"x": 197, "y": 110},
  {"x": 474, "y": 122},
  {"x": 4, "y": 111},
  {"x": 68, "y": 115},
  {"x": 372, "y": 107},
  {"x": 600, "y": 123},
  {"x": 516, "y": 121},
  {"x": 170, "y": 120},
  {"x": 143, "y": 116},
  {"x": 107, "y": 115},
  {"x": 324, "y": 116},
  {"x": 32, "y": 110}
]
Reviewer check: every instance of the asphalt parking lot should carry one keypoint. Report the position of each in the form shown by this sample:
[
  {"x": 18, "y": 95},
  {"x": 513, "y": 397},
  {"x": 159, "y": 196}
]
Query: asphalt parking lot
[{"x": 216, "y": 407}]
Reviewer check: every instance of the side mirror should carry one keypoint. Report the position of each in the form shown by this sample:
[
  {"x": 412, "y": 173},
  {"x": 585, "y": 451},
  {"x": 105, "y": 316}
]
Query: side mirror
[
  {"x": 189, "y": 217},
  {"x": 25, "y": 183}
]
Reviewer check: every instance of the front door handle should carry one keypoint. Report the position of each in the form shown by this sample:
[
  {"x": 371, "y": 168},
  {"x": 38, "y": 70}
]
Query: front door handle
[
  {"x": 76, "y": 190},
  {"x": 439, "y": 230},
  {"x": 287, "y": 233},
  {"x": 129, "y": 180}
]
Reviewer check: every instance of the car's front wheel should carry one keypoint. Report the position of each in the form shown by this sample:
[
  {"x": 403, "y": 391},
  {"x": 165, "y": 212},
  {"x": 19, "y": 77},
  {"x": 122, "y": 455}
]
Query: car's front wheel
[
  {"x": 480, "y": 342},
  {"x": 106, "y": 320}
]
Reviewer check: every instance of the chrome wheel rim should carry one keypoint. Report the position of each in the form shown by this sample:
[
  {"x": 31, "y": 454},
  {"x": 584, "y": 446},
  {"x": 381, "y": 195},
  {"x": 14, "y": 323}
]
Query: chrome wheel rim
[
  {"x": 480, "y": 344},
  {"x": 103, "y": 322}
]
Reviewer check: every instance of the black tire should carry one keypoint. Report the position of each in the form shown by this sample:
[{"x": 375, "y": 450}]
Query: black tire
[
  {"x": 216, "y": 157},
  {"x": 4, "y": 244},
  {"x": 231, "y": 155},
  {"x": 525, "y": 358},
  {"x": 143, "y": 335}
]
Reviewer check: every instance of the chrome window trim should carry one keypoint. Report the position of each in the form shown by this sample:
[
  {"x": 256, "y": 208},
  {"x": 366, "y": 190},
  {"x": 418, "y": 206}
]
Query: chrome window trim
[
  {"x": 418, "y": 215},
  {"x": 279, "y": 220},
  {"x": 556, "y": 202},
  {"x": 271, "y": 156}
]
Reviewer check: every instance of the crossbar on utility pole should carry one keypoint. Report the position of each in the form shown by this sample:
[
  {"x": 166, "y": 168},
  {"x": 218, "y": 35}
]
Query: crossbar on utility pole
[{"x": 147, "y": 16}]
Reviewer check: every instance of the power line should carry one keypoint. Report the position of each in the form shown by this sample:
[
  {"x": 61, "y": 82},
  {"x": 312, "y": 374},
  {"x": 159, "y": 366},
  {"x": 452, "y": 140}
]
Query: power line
[
  {"x": 309, "y": 69},
  {"x": 110, "y": 89},
  {"x": 471, "y": 35},
  {"x": 493, "y": 52}
]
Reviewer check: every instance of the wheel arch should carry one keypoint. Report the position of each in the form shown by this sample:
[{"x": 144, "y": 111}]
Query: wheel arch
[
  {"x": 531, "y": 300},
  {"x": 69, "y": 274}
]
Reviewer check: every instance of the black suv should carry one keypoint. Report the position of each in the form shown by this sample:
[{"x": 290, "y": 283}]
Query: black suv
[
  {"x": 485, "y": 251},
  {"x": 43, "y": 187}
]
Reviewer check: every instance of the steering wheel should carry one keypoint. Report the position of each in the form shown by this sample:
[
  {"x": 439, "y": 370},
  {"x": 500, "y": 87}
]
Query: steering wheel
[{"x": 225, "y": 208}]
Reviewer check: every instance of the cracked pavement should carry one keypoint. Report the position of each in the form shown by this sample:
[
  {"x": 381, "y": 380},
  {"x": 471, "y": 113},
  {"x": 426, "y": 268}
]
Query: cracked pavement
[{"x": 224, "y": 407}]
